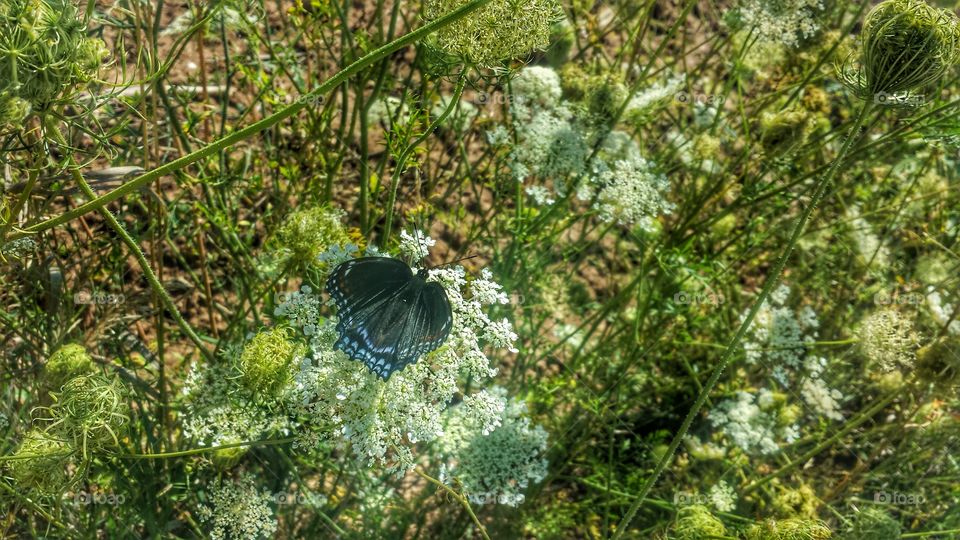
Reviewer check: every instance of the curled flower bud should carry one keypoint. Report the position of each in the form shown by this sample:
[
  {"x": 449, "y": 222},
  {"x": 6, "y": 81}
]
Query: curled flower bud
[
  {"x": 905, "y": 44},
  {"x": 498, "y": 31},
  {"x": 789, "y": 529},
  {"x": 696, "y": 521},
  {"x": 46, "y": 53},
  {"x": 266, "y": 361},
  {"x": 307, "y": 233},
  {"x": 39, "y": 464},
  {"x": 92, "y": 411},
  {"x": 66, "y": 363},
  {"x": 13, "y": 110}
]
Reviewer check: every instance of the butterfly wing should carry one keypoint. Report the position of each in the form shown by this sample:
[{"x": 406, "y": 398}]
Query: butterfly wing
[
  {"x": 388, "y": 317},
  {"x": 360, "y": 286},
  {"x": 428, "y": 324},
  {"x": 376, "y": 336}
]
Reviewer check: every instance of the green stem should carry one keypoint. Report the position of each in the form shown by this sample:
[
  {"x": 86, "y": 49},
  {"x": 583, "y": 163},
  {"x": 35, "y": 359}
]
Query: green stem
[
  {"x": 402, "y": 160},
  {"x": 17, "y": 457},
  {"x": 195, "y": 451},
  {"x": 132, "y": 245},
  {"x": 733, "y": 347},
  {"x": 929, "y": 533},
  {"x": 460, "y": 498},
  {"x": 237, "y": 136},
  {"x": 17, "y": 206},
  {"x": 33, "y": 506}
]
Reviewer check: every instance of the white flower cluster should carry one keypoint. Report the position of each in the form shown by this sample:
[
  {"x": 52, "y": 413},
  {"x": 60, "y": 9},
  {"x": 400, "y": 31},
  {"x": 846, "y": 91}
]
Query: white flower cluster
[
  {"x": 336, "y": 254},
  {"x": 887, "y": 339},
  {"x": 416, "y": 245},
  {"x": 750, "y": 424},
  {"x": 237, "y": 510},
  {"x": 383, "y": 419},
  {"x": 553, "y": 148},
  {"x": 493, "y": 464},
  {"x": 631, "y": 194},
  {"x": 822, "y": 399},
  {"x": 539, "y": 85},
  {"x": 217, "y": 411},
  {"x": 301, "y": 309},
  {"x": 722, "y": 497},
  {"x": 643, "y": 102},
  {"x": 782, "y": 21},
  {"x": 941, "y": 310},
  {"x": 16, "y": 249},
  {"x": 779, "y": 336}
]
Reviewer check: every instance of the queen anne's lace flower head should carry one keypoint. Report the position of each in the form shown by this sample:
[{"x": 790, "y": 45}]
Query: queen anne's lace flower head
[
  {"x": 537, "y": 86},
  {"x": 498, "y": 31},
  {"x": 382, "y": 420},
  {"x": 493, "y": 463},
  {"x": 782, "y": 21},
  {"x": 887, "y": 339},
  {"x": 905, "y": 44},
  {"x": 695, "y": 522},
  {"x": 237, "y": 509}
]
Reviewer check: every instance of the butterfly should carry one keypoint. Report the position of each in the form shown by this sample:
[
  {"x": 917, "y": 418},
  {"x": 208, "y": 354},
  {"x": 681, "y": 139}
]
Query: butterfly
[{"x": 389, "y": 316}]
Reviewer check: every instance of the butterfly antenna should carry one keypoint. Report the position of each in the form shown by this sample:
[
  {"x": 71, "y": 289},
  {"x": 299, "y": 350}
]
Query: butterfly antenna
[{"x": 456, "y": 261}]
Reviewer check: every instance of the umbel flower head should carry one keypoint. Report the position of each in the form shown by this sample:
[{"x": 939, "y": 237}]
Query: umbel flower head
[
  {"x": 91, "y": 410},
  {"x": 266, "y": 361},
  {"x": 237, "y": 509},
  {"x": 45, "y": 52},
  {"x": 789, "y": 529},
  {"x": 44, "y": 469},
  {"x": 494, "y": 466},
  {"x": 888, "y": 341},
  {"x": 498, "y": 31},
  {"x": 382, "y": 420},
  {"x": 695, "y": 522},
  {"x": 307, "y": 233},
  {"x": 65, "y": 363},
  {"x": 905, "y": 44}
]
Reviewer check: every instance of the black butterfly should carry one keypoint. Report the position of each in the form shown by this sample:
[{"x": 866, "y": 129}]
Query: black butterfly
[{"x": 389, "y": 316}]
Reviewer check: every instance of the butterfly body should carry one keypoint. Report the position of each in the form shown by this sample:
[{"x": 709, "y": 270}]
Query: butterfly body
[{"x": 389, "y": 316}]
